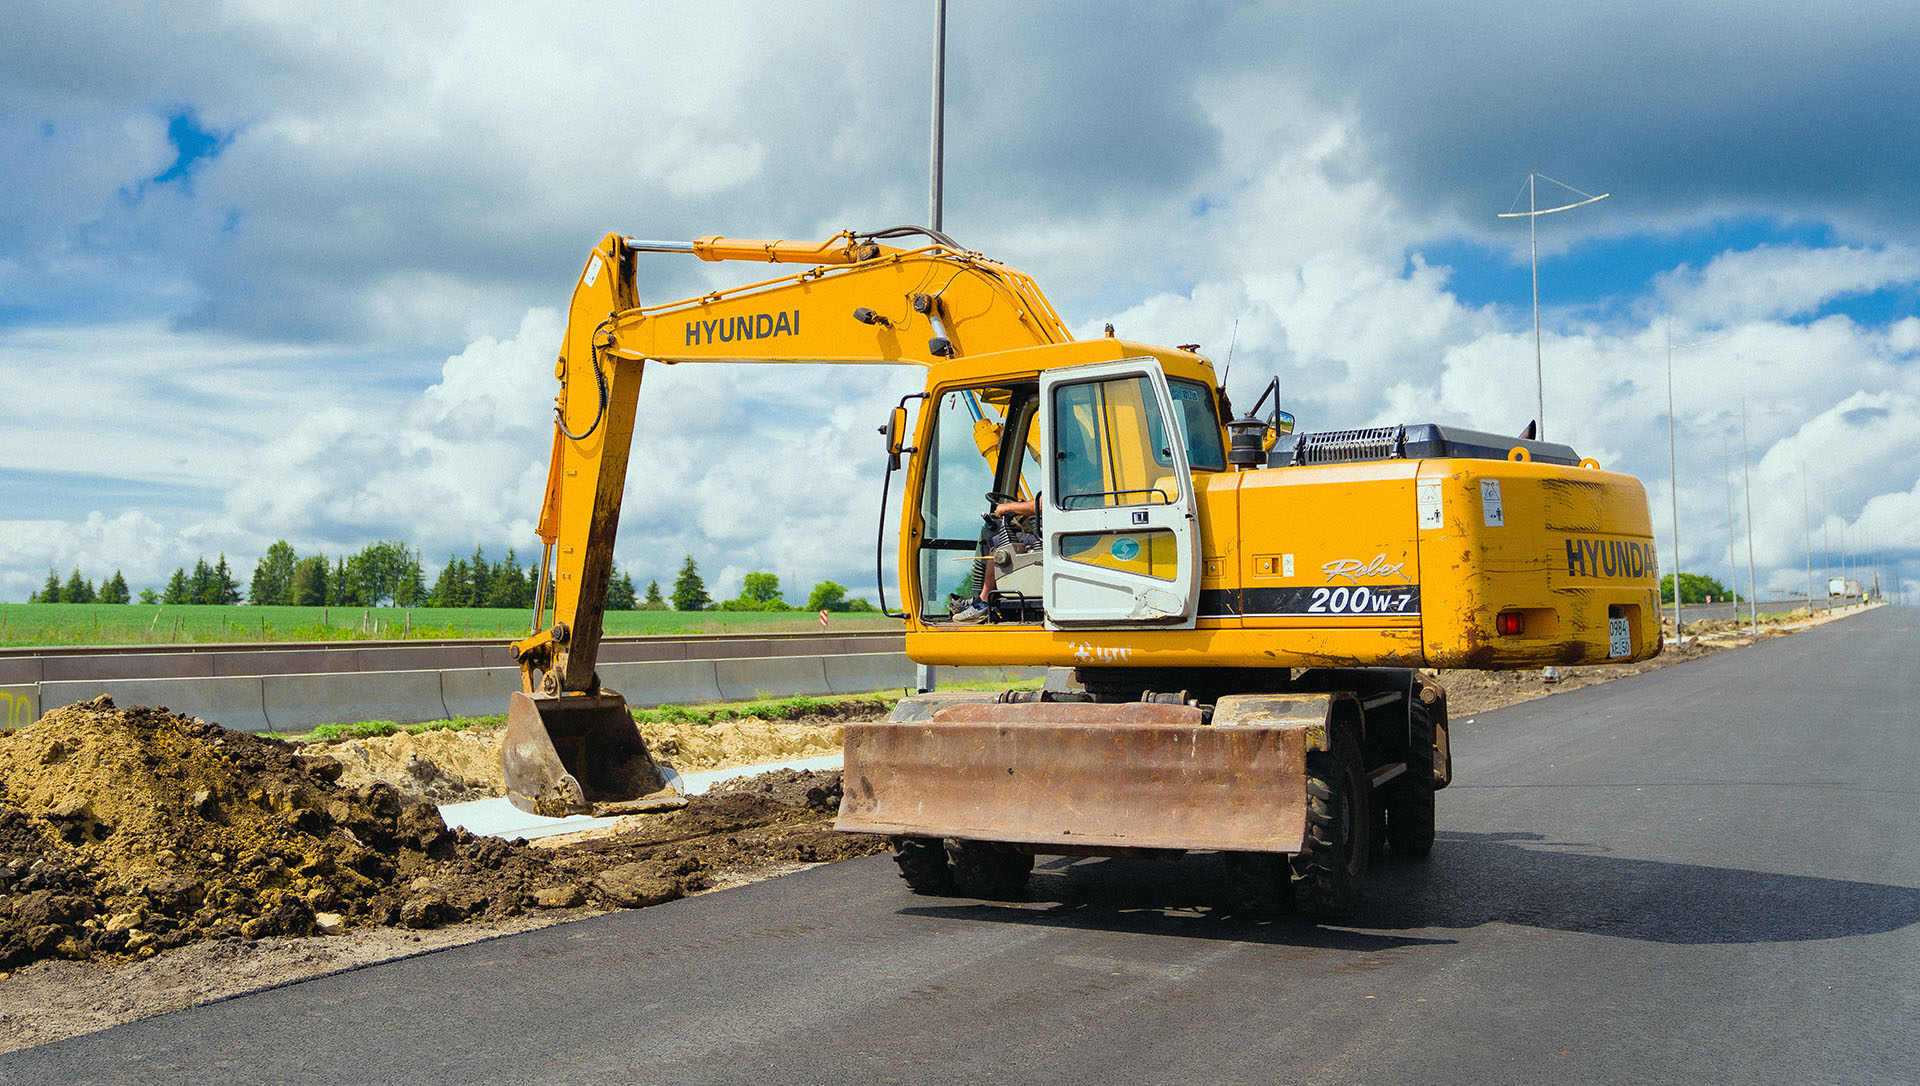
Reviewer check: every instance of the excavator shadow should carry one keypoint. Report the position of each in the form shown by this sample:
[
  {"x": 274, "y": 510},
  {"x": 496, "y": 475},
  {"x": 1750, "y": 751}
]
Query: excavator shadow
[
  {"x": 1187, "y": 897},
  {"x": 1529, "y": 879},
  {"x": 1472, "y": 880}
]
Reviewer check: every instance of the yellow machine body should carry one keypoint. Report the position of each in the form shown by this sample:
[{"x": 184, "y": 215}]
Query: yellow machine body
[{"x": 1243, "y": 626}]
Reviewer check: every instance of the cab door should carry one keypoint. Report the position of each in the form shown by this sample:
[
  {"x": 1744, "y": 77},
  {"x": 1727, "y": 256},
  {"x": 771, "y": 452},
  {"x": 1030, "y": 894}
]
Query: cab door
[{"x": 1117, "y": 519}]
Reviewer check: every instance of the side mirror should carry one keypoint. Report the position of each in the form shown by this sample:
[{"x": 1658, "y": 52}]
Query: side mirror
[
  {"x": 895, "y": 431},
  {"x": 1282, "y": 426}
]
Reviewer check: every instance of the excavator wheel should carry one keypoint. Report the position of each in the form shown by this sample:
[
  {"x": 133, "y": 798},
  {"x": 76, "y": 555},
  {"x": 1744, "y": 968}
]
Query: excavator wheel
[
  {"x": 984, "y": 869},
  {"x": 923, "y": 863},
  {"x": 1330, "y": 870},
  {"x": 1408, "y": 799}
]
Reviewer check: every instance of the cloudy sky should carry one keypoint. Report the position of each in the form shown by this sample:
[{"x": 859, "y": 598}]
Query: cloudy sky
[{"x": 269, "y": 274}]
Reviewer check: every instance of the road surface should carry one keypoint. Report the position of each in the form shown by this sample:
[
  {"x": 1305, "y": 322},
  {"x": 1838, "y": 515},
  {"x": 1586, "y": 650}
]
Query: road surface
[{"x": 1707, "y": 873}]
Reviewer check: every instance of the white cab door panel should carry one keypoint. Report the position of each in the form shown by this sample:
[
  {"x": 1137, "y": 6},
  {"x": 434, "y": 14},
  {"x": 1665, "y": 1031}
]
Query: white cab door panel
[{"x": 1118, "y": 520}]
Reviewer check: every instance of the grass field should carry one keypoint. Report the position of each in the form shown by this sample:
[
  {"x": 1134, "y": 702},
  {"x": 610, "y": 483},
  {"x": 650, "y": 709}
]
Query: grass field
[{"x": 36, "y": 624}]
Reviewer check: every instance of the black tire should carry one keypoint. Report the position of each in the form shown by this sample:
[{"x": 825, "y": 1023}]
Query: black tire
[
  {"x": 923, "y": 863},
  {"x": 1409, "y": 797},
  {"x": 988, "y": 870},
  {"x": 1330, "y": 871}
]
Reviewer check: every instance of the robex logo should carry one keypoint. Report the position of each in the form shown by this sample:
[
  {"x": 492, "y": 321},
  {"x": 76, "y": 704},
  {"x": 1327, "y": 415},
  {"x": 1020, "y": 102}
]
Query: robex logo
[{"x": 1619, "y": 558}]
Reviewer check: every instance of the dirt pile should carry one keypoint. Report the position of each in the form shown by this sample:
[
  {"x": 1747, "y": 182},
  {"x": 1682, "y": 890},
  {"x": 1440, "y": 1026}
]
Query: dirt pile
[
  {"x": 128, "y": 831},
  {"x": 437, "y": 766}
]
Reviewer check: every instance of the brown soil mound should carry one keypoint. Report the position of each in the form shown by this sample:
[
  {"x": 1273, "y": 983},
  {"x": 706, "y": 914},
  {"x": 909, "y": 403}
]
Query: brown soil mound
[
  {"x": 127, "y": 831},
  {"x": 437, "y": 766}
]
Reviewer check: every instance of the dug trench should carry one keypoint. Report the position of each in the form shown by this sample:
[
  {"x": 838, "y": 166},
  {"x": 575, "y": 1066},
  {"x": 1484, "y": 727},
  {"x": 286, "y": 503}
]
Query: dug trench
[{"x": 150, "y": 861}]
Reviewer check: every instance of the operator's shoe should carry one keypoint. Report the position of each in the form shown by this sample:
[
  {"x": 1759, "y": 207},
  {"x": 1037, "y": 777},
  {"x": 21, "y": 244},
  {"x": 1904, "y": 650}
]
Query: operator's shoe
[{"x": 975, "y": 611}]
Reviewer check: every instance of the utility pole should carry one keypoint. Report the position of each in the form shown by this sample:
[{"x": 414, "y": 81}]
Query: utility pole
[{"x": 1532, "y": 215}]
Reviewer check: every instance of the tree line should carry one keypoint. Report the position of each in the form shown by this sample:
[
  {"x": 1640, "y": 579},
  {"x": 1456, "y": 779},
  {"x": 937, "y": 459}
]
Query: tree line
[{"x": 389, "y": 572}]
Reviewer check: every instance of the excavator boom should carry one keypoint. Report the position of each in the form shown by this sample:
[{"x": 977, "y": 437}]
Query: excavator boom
[{"x": 859, "y": 302}]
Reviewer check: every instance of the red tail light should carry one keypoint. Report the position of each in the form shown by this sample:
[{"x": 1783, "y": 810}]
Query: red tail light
[{"x": 1510, "y": 623}]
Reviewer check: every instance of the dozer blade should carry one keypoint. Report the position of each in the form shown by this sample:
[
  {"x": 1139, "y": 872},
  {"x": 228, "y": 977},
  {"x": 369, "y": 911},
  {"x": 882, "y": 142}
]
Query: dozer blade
[
  {"x": 576, "y": 754},
  {"x": 1079, "y": 776}
]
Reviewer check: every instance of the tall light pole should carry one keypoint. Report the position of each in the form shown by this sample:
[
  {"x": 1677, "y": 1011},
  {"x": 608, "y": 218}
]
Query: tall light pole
[
  {"x": 939, "y": 112},
  {"x": 1746, "y": 475},
  {"x": 1673, "y": 482},
  {"x": 1806, "y": 528},
  {"x": 1532, "y": 215}
]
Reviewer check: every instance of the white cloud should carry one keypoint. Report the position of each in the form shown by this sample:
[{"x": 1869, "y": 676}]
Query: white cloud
[{"x": 256, "y": 352}]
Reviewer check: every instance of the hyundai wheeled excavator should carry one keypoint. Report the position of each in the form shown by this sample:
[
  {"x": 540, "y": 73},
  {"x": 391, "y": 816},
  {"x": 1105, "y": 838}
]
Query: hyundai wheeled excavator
[{"x": 1236, "y": 616}]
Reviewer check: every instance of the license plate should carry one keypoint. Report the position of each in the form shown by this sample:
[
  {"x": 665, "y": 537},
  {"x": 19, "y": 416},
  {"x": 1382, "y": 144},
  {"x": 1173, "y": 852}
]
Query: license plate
[{"x": 1619, "y": 638}]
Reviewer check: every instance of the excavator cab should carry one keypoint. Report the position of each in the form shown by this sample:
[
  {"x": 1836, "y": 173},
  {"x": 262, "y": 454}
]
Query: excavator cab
[{"x": 1109, "y": 449}]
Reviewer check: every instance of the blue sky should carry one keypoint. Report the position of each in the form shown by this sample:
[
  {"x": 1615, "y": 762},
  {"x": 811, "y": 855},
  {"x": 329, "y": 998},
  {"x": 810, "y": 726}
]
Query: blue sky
[{"x": 266, "y": 277}]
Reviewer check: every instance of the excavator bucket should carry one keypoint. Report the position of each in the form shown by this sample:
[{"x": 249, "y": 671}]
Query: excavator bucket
[
  {"x": 579, "y": 754},
  {"x": 1079, "y": 776}
]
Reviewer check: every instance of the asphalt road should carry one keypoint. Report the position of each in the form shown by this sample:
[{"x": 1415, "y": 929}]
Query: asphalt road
[{"x": 1708, "y": 873}]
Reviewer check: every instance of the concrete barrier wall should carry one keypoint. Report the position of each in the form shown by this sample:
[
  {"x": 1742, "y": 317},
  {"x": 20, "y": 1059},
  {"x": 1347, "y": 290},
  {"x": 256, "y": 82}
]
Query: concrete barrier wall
[
  {"x": 478, "y": 691},
  {"x": 296, "y": 703},
  {"x": 865, "y": 672},
  {"x": 137, "y": 665},
  {"x": 19, "y": 705},
  {"x": 234, "y": 702},
  {"x": 648, "y": 683},
  {"x": 771, "y": 676}
]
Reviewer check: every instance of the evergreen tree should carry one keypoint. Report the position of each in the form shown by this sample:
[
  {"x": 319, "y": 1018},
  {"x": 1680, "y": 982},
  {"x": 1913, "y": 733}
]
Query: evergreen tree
[
  {"x": 77, "y": 589},
  {"x": 620, "y": 593},
  {"x": 200, "y": 583},
  {"x": 689, "y": 591},
  {"x": 342, "y": 589},
  {"x": 479, "y": 579},
  {"x": 308, "y": 588},
  {"x": 451, "y": 589},
  {"x": 508, "y": 587},
  {"x": 654, "y": 601},
  {"x": 50, "y": 593},
  {"x": 226, "y": 590},
  {"x": 273, "y": 576},
  {"x": 115, "y": 590},
  {"x": 179, "y": 589}
]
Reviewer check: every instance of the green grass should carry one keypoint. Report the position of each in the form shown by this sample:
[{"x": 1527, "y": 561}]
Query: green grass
[
  {"x": 374, "y": 729},
  {"x": 37, "y": 624}
]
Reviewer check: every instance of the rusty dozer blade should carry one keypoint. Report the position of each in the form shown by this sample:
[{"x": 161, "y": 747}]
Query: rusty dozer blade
[
  {"x": 576, "y": 754},
  {"x": 1081, "y": 776}
]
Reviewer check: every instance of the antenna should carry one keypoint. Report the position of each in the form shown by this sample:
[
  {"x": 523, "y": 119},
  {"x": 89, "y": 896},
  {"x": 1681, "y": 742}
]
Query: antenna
[
  {"x": 1532, "y": 215},
  {"x": 1228, "y": 368}
]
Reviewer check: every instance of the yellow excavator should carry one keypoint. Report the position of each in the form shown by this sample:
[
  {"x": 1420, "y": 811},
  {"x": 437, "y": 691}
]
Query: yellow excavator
[{"x": 1236, "y": 615}]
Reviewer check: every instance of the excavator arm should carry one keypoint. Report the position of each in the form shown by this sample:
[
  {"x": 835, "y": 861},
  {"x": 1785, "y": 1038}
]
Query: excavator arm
[{"x": 858, "y": 302}]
